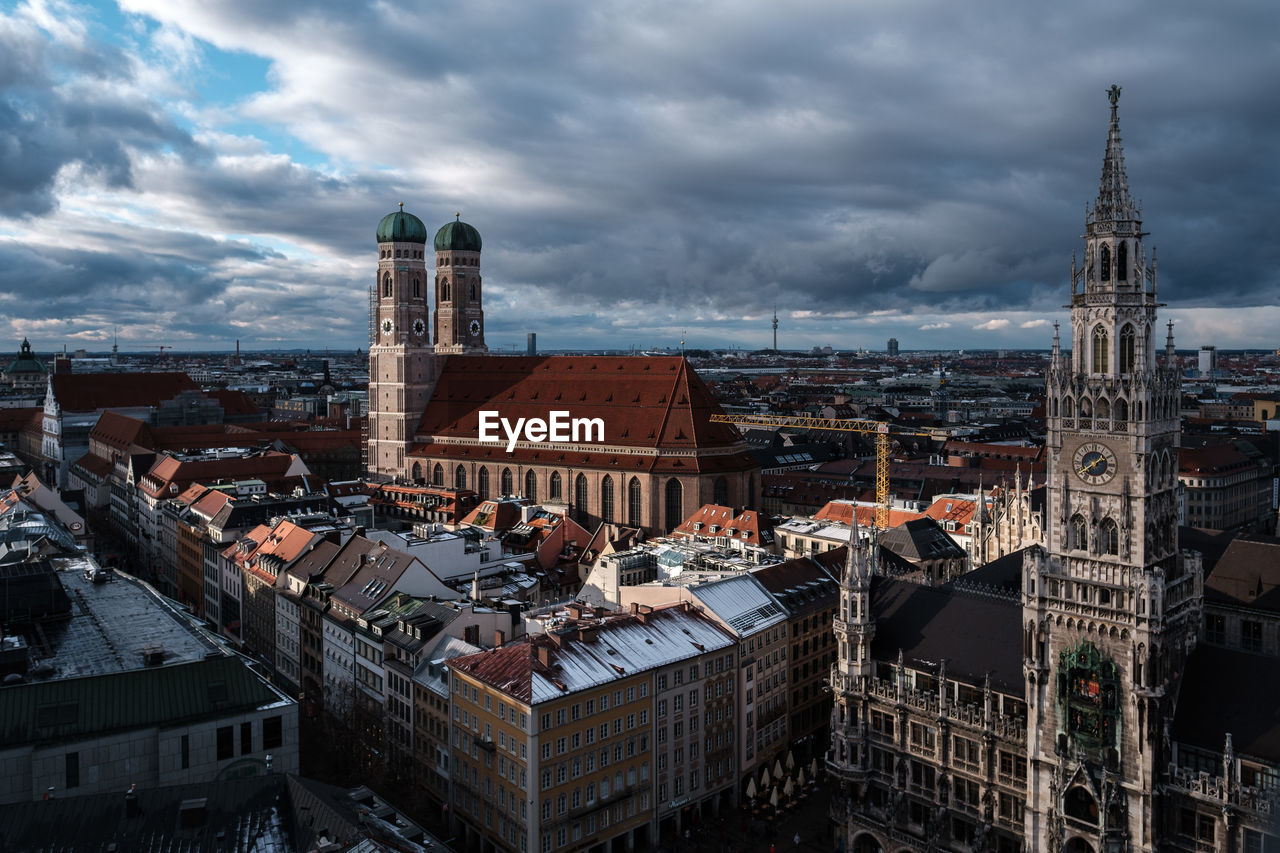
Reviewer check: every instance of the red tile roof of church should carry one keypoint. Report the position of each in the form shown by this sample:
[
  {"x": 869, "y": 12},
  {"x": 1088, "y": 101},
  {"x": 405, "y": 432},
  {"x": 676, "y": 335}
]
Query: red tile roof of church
[
  {"x": 88, "y": 392},
  {"x": 653, "y": 402},
  {"x": 121, "y": 431}
]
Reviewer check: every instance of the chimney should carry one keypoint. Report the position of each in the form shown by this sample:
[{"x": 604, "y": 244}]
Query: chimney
[
  {"x": 131, "y": 807},
  {"x": 587, "y": 633},
  {"x": 544, "y": 655},
  {"x": 499, "y": 638}
]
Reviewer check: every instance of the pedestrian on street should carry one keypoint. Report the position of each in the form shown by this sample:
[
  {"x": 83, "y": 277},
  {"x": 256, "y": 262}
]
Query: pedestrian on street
[{"x": 797, "y": 839}]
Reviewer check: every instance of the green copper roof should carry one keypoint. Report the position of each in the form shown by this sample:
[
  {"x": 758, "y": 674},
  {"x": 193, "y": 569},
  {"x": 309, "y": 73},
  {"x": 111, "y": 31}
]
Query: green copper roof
[
  {"x": 457, "y": 236},
  {"x": 26, "y": 362},
  {"x": 401, "y": 227}
]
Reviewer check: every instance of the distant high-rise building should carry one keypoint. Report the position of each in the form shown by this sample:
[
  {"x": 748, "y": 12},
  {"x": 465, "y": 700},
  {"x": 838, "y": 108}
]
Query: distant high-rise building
[
  {"x": 531, "y": 343},
  {"x": 893, "y": 347},
  {"x": 1208, "y": 361},
  {"x": 775, "y": 328}
]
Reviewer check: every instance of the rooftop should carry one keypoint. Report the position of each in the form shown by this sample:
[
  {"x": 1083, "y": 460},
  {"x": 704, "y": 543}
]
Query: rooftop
[{"x": 111, "y": 626}]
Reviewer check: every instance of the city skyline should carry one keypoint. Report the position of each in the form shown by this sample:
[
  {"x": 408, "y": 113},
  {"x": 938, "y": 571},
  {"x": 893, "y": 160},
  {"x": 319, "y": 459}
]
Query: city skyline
[{"x": 199, "y": 176}]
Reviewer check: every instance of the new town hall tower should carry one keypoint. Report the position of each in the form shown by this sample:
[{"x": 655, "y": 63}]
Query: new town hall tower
[
  {"x": 1064, "y": 699},
  {"x": 1112, "y": 610}
]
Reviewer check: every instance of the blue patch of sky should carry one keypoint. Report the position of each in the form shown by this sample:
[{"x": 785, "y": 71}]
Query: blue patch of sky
[{"x": 225, "y": 78}]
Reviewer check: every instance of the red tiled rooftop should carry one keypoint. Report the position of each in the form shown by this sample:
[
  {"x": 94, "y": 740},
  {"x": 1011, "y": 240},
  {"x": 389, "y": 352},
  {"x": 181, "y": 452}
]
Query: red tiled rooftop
[
  {"x": 643, "y": 401},
  {"x": 88, "y": 392}
]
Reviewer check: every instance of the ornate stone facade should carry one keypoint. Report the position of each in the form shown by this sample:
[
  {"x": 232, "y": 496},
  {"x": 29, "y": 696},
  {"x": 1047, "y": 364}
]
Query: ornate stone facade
[{"x": 1078, "y": 715}]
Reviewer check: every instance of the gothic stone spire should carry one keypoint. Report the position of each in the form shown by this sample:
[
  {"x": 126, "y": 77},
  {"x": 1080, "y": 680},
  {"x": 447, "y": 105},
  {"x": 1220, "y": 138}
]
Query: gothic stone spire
[{"x": 1114, "y": 203}]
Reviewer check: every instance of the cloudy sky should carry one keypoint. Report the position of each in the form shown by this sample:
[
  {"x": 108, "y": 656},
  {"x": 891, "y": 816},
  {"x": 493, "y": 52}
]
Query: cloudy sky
[{"x": 198, "y": 172}]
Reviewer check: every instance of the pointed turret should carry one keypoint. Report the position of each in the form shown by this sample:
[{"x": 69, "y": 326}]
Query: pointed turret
[{"x": 1114, "y": 203}]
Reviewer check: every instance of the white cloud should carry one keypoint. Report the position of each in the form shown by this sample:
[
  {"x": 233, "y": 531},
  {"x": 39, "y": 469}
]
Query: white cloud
[
  {"x": 1033, "y": 324},
  {"x": 992, "y": 325},
  {"x": 928, "y": 327}
]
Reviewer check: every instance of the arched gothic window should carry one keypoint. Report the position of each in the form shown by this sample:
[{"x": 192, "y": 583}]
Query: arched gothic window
[
  {"x": 386, "y": 285},
  {"x": 508, "y": 484},
  {"x": 606, "y": 499},
  {"x": 437, "y": 475},
  {"x": 460, "y": 478},
  {"x": 1104, "y": 409},
  {"x": 444, "y": 290},
  {"x": 1108, "y": 537},
  {"x": 1079, "y": 804},
  {"x": 1120, "y": 411},
  {"x": 720, "y": 492},
  {"x": 1100, "y": 346},
  {"x": 417, "y": 288},
  {"x": 471, "y": 292},
  {"x": 633, "y": 502},
  {"x": 580, "y": 495},
  {"x": 417, "y": 472},
  {"x": 1079, "y": 533},
  {"x": 1126, "y": 349},
  {"x": 553, "y": 487},
  {"x": 1105, "y": 256},
  {"x": 531, "y": 486},
  {"x": 1122, "y": 261},
  {"x": 674, "y": 503},
  {"x": 482, "y": 484}
]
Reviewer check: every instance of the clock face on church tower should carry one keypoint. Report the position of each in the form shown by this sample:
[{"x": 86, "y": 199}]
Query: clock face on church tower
[
  {"x": 474, "y": 328},
  {"x": 1095, "y": 463},
  {"x": 386, "y": 327}
]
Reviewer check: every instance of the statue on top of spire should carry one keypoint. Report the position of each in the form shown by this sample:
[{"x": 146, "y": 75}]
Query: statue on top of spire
[{"x": 1113, "y": 94}]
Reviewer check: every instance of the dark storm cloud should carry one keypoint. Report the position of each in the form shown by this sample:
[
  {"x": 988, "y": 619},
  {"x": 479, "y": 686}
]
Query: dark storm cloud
[
  {"x": 684, "y": 162},
  {"x": 47, "y": 124}
]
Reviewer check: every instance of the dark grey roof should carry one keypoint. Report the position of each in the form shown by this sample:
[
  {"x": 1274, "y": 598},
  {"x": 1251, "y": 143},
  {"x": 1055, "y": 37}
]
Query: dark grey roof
[
  {"x": 921, "y": 539},
  {"x": 1002, "y": 573},
  {"x": 1247, "y": 574},
  {"x": 976, "y": 634},
  {"x": 238, "y": 816},
  {"x": 1227, "y": 690}
]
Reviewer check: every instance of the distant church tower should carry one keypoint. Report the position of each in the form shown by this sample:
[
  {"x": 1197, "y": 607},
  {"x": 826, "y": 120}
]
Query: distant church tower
[
  {"x": 1110, "y": 607},
  {"x": 401, "y": 362},
  {"x": 459, "y": 297}
]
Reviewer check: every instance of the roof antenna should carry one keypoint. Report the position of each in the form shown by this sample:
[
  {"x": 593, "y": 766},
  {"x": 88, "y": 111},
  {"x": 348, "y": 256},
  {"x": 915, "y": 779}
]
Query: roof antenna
[{"x": 682, "y": 343}]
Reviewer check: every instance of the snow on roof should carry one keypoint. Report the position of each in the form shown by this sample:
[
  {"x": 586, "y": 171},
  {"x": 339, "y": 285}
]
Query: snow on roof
[
  {"x": 742, "y": 602},
  {"x": 623, "y": 646}
]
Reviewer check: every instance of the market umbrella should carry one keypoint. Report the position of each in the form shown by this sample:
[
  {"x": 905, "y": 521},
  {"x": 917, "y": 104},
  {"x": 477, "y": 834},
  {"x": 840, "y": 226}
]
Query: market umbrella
[
  {"x": 813, "y": 768},
  {"x": 791, "y": 760},
  {"x": 777, "y": 769},
  {"x": 790, "y": 788},
  {"x": 751, "y": 788},
  {"x": 764, "y": 778},
  {"x": 773, "y": 798},
  {"x": 803, "y": 781}
]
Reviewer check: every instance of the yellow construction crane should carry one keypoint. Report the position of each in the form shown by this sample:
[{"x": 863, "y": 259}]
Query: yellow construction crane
[{"x": 880, "y": 429}]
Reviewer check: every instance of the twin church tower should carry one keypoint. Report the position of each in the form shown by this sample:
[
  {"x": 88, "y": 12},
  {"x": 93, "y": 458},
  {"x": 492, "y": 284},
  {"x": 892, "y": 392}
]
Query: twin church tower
[{"x": 406, "y": 336}]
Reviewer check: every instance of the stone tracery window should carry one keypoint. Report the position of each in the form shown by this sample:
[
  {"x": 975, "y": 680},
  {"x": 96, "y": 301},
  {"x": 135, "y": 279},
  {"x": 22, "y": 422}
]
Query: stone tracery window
[
  {"x": 606, "y": 499},
  {"x": 1105, "y": 262},
  {"x": 1127, "y": 349},
  {"x": 1108, "y": 537},
  {"x": 1122, "y": 261},
  {"x": 634, "y": 502},
  {"x": 1079, "y": 533},
  {"x": 1100, "y": 346}
]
